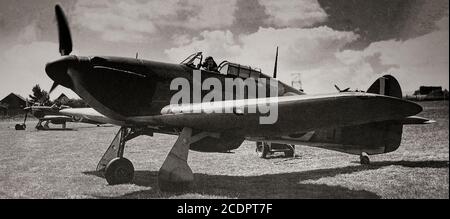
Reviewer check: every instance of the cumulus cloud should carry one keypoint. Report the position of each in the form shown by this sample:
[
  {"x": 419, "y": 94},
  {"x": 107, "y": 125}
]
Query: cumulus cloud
[
  {"x": 418, "y": 61},
  {"x": 216, "y": 43},
  {"x": 294, "y": 13},
  {"x": 137, "y": 20},
  {"x": 319, "y": 55},
  {"x": 215, "y": 14},
  {"x": 22, "y": 65},
  {"x": 28, "y": 34},
  {"x": 299, "y": 49}
]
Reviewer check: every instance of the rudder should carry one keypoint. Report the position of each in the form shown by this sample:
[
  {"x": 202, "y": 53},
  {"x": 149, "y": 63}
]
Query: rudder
[{"x": 386, "y": 85}]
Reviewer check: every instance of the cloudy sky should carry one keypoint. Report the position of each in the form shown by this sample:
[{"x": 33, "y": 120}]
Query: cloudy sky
[{"x": 345, "y": 42}]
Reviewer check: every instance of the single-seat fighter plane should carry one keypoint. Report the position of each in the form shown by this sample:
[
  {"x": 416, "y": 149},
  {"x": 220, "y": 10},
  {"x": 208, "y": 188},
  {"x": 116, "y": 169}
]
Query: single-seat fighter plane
[
  {"x": 51, "y": 114},
  {"x": 135, "y": 94}
]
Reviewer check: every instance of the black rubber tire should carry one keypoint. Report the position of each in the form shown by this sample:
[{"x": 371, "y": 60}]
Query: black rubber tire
[
  {"x": 259, "y": 145},
  {"x": 119, "y": 170},
  {"x": 20, "y": 126},
  {"x": 364, "y": 159},
  {"x": 264, "y": 150},
  {"x": 289, "y": 153}
]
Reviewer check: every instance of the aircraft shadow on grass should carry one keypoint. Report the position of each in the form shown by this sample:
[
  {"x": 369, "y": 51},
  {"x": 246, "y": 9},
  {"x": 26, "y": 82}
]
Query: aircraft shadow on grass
[
  {"x": 69, "y": 129},
  {"x": 57, "y": 129},
  {"x": 283, "y": 185}
]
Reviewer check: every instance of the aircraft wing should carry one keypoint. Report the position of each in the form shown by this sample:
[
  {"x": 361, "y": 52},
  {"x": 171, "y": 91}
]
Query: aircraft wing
[
  {"x": 88, "y": 115},
  {"x": 300, "y": 113},
  {"x": 56, "y": 117}
]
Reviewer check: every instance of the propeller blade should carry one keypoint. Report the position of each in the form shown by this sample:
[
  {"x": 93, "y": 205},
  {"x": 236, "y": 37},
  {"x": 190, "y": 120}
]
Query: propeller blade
[
  {"x": 54, "y": 85},
  {"x": 65, "y": 39},
  {"x": 337, "y": 88}
]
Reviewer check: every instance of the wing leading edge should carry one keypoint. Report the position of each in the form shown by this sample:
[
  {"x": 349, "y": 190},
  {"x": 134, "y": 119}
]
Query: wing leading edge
[{"x": 89, "y": 114}]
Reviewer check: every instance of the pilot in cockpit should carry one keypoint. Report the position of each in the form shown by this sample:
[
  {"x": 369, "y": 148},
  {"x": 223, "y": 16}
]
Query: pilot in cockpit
[{"x": 209, "y": 64}]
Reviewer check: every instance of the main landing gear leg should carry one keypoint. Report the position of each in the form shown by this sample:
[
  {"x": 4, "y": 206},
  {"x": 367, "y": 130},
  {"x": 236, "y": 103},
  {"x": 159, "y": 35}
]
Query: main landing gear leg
[
  {"x": 116, "y": 168},
  {"x": 175, "y": 175},
  {"x": 39, "y": 125},
  {"x": 46, "y": 124}
]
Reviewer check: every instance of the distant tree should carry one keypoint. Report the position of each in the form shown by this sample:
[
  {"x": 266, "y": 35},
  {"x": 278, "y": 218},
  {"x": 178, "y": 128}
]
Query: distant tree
[{"x": 40, "y": 96}]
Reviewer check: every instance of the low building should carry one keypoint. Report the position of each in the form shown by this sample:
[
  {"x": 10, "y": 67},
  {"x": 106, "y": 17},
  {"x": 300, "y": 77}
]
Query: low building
[
  {"x": 429, "y": 93},
  {"x": 62, "y": 100},
  {"x": 14, "y": 104},
  {"x": 3, "y": 110}
]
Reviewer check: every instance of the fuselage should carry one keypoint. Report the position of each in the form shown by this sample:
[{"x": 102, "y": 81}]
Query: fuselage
[{"x": 121, "y": 87}]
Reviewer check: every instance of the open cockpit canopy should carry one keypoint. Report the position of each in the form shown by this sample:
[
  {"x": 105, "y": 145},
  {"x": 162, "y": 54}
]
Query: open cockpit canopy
[{"x": 226, "y": 68}]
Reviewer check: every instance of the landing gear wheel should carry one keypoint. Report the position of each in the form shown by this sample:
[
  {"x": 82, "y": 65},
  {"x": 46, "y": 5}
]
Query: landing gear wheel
[
  {"x": 20, "y": 127},
  {"x": 119, "y": 171},
  {"x": 289, "y": 153},
  {"x": 364, "y": 158},
  {"x": 263, "y": 149}
]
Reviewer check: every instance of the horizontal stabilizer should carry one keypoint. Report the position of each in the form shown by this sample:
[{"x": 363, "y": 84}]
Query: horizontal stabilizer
[{"x": 416, "y": 120}]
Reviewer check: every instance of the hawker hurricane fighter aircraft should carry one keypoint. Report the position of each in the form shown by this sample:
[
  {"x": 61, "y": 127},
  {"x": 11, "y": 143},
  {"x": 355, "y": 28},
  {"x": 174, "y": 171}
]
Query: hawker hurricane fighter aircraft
[
  {"x": 136, "y": 95},
  {"x": 51, "y": 114}
]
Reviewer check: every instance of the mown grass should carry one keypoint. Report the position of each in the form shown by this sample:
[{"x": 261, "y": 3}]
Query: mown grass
[{"x": 61, "y": 164}]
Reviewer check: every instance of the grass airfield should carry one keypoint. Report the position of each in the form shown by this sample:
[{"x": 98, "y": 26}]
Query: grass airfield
[{"x": 61, "y": 164}]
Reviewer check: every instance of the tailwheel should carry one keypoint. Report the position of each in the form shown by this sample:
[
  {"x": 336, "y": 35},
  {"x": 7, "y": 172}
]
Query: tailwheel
[
  {"x": 364, "y": 158},
  {"x": 119, "y": 171},
  {"x": 20, "y": 127}
]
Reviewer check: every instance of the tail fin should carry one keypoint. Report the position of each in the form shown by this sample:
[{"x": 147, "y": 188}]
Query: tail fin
[
  {"x": 372, "y": 138},
  {"x": 386, "y": 85}
]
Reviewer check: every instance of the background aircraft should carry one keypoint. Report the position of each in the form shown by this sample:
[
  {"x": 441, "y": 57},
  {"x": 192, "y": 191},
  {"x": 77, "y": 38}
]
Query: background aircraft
[
  {"x": 135, "y": 94},
  {"x": 51, "y": 114}
]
